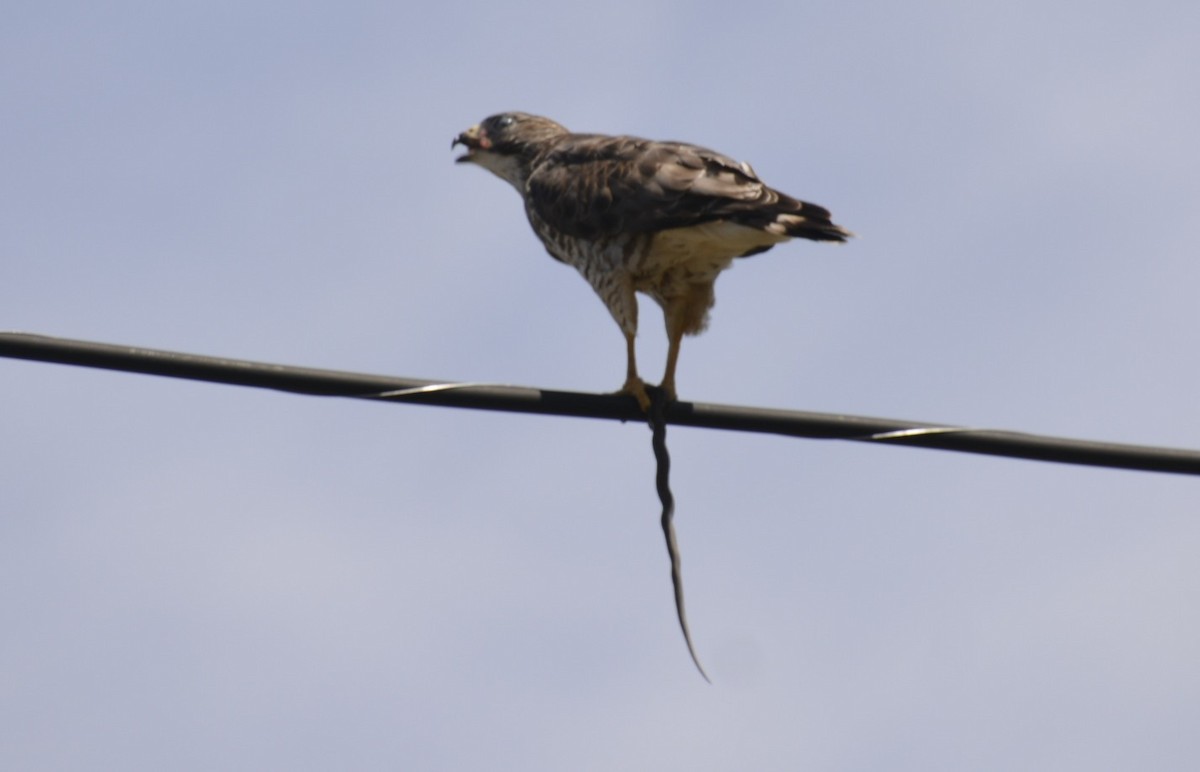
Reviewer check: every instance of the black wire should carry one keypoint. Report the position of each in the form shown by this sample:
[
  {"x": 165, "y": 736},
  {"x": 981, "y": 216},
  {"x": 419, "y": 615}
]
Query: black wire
[
  {"x": 662, "y": 480},
  {"x": 301, "y": 380}
]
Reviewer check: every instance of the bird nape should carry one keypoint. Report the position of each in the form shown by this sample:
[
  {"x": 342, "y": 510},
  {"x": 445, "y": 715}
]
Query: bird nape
[{"x": 634, "y": 215}]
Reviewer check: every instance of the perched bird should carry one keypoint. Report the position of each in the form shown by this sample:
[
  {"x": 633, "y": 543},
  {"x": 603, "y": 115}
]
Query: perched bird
[{"x": 634, "y": 215}]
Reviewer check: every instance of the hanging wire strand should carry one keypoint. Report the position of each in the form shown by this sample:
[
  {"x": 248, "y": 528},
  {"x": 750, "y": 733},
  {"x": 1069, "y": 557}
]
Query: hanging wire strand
[
  {"x": 521, "y": 399},
  {"x": 662, "y": 481}
]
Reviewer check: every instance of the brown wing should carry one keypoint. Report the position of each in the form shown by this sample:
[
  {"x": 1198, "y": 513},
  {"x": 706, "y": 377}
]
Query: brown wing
[{"x": 594, "y": 185}]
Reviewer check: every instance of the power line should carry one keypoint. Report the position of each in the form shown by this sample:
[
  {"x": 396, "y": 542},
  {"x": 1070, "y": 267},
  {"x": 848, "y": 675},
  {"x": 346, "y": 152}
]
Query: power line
[{"x": 521, "y": 399}]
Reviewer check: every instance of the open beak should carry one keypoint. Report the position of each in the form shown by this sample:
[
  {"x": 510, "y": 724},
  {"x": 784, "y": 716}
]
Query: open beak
[{"x": 472, "y": 139}]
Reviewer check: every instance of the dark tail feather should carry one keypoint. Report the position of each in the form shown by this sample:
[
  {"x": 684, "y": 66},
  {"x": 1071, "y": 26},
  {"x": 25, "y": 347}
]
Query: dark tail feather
[
  {"x": 806, "y": 221},
  {"x": 799, "y": 219},
  {"x": 817, "y": 231}
]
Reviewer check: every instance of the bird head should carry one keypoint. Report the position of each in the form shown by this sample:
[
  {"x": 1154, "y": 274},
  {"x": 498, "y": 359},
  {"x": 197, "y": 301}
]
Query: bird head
[{"x": 506, "y": 143}]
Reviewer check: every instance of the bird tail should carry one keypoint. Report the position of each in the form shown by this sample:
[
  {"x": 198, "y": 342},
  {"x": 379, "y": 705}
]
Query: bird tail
[{"x": 803, "y": 220}]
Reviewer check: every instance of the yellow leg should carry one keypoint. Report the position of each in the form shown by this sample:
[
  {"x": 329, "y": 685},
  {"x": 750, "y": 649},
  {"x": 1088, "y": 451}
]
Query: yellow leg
[
  {"x": 674, "y": 338},
  {"x": 634, "y": 385},
  {"x": 685, "y": 314}
]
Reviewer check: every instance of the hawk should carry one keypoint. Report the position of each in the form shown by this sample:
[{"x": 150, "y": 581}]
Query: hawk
[{"x": 633, "y": 215}]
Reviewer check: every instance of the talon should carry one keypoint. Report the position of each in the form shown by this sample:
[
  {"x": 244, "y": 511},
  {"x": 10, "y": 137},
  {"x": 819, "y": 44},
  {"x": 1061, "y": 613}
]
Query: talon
[
  {"x": 636, "y": 388},
  {"x": 668, "y": 388}
]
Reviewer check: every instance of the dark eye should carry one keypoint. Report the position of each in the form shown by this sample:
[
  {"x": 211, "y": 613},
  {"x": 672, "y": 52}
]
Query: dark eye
[{"x": 504, "y": 121}]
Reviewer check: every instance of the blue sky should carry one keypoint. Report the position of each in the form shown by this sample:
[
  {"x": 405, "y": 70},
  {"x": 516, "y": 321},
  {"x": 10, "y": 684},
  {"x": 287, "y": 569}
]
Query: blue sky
[{"x": 195, "y": 576}]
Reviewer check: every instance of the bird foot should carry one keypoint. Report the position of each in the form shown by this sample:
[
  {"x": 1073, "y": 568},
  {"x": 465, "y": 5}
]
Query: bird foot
[
  {"x": 668, "y": 388},
  {"x": 636, "y": 388}
]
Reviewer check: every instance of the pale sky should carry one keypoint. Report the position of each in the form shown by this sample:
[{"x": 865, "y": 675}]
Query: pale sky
[{"x": 199, "y": 577}]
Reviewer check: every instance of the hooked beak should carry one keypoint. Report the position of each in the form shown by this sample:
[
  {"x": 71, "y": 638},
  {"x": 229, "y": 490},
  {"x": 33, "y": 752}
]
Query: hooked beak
[{"x": 472, "y": 139}]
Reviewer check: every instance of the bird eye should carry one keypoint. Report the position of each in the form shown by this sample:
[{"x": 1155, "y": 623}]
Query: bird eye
[{"x": 504, "y": 121}]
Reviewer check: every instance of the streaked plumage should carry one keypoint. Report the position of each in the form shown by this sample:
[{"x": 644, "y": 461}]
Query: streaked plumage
[{"x": 634, "y": 215}]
